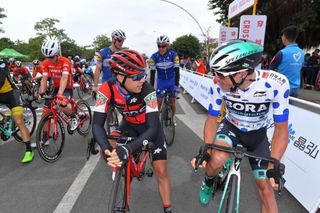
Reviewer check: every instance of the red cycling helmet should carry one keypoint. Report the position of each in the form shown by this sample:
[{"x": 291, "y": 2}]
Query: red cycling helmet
[{"x": 127, "y": 62}]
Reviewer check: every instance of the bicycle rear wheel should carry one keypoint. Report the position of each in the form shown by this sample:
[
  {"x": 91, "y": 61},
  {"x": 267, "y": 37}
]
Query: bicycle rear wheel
[
  {"x": 117, "y": 201},
  {"x": 50, "y": 138},
  {"x": 231, "y": 195},
  {"x": 167, "y": 123},
  {"x": 30, "y": 120},
  {"x": 85, "y": 117}
]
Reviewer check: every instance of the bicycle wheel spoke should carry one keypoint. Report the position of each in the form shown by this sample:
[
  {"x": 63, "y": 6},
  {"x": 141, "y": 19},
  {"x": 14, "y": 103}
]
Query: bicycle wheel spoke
[{"x": 85, "y": 117}]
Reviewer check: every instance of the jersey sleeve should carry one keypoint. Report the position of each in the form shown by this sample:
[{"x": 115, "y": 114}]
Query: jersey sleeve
[
  {"x": 102, "y": 99},
  {"x": 99, "y": 57},
  {"x": 215, "y": 100},
  {"x": 176, "y": 60},
  {"x": 152, "y": 62},
  {"x": 66, "y": 67},
  {"x": 45, "y": 68},
  {"x": 150, "y": 98},
  {"x": 276, "y": 61},
  {"x": 280, "y": 102}
]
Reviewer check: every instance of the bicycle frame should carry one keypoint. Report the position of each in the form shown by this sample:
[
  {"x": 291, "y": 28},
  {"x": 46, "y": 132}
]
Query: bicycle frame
[{"x": 9, "y": 132}]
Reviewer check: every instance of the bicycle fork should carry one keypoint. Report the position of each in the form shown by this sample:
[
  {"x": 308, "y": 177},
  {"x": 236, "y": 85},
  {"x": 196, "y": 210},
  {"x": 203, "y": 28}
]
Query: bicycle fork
[{"x": 234, "y": 171}]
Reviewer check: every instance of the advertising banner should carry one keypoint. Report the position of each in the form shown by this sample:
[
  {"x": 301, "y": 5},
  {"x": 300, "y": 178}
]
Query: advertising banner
[
  {"x": 238, "y": 6},
  {"x": 227, "y": 33},
  {"x": 253, "y": 28}
]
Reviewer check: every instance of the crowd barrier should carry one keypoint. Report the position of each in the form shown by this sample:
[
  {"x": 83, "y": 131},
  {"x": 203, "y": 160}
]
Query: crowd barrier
[{"x": 302, "y": 157}]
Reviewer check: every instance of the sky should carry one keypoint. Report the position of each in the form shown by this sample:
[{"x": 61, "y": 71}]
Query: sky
[{"x": 142, "y": 20}]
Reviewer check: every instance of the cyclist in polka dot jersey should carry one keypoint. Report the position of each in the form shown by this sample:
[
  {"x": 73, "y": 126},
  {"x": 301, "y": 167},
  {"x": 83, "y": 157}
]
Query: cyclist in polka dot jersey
[{"x": 249, "y": 96}]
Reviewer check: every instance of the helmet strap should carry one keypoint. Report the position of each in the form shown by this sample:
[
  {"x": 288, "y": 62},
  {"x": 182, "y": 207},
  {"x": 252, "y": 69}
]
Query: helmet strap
[
  {"x": 235, "y": 84},
  {"x": 123, "y": 86}
]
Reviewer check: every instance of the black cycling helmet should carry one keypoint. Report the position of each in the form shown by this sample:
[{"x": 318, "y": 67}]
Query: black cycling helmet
[
  {"x": 236, "y": 55},
  {"x": 36, "y": 62}
]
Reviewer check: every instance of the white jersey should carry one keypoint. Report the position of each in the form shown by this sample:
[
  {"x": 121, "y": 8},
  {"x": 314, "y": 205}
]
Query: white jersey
[{"x": 248, "y": 109}]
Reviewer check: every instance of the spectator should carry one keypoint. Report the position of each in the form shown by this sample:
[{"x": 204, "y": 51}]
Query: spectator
[
  {"x": 314, "y": 67},
  {"x": 306, "y": 72},
  {"x": 201, "y": 68},
  {"x": 288, "y": 61}
]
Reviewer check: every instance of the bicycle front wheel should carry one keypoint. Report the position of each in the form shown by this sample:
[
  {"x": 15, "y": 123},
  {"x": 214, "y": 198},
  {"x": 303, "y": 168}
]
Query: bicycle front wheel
[
  {"x": 166, "y": 116},
  {"x": 117, "y": 201},
  {"x": 30, "y": 120},
  {"x": 85, "y": 117},
  {"x": 50, "y": 138}
]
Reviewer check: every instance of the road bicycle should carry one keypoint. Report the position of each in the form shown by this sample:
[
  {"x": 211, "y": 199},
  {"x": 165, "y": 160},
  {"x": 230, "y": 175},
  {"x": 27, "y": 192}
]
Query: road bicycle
[
  {"x": 85, "y": 86},
  {"x": 167, "y": 118},
  {"x": 231, "y": 193},
  {"x": 50, "y": 135},
  {"x": 137, "y": 166},
  {"x": 8, "y": 127}
]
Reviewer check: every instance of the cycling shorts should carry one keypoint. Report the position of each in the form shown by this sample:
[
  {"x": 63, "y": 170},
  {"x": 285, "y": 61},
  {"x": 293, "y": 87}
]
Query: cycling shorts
[
  {"x": 165, "y": 85},
  {"x": 255, "y": 141},
  {"x": 159, "y": 151},
  {"x": 12, "y": 100},
  {"x": 67, "y": 93}
]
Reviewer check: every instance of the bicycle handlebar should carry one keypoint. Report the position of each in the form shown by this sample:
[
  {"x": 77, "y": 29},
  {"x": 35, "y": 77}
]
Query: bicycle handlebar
[
  {"x": 125, "y": 139},
  {"x": 239, "y": 152}
]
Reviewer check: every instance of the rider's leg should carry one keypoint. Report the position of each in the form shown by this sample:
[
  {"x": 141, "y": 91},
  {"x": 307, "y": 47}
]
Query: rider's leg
[
  {"x": 161, "y": 172},
  {"x": 268, "y": 200},
  {"x": 172, "y": 102}
]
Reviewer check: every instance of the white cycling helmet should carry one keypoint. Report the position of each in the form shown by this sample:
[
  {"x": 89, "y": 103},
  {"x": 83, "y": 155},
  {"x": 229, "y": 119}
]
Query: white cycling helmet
[
  {"x": 118, "y": 34},
  {"x": 18, "y": 63},
  {"x": 163, "y": 39},
  {"x": 50, "y": 47}
]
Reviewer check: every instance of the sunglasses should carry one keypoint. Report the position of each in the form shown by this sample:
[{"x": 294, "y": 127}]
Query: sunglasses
[
  {"x": 162, "y": 46},
  {"x": 120, "y": 40},
  {"x": 223, "y": 75},
  {"x": 139, "y": 76}
]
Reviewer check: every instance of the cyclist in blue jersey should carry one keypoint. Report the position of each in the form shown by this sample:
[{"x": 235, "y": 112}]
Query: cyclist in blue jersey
[
  {"x": 118, "y": 37},
  {"x": 248, "y": 94},
  {"x": 166, "y": 63}
]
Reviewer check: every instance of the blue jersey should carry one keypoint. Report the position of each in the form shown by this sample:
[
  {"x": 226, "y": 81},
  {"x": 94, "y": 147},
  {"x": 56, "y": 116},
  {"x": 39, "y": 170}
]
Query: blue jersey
[
  {"x": 288, "y": 62},
  {"x": 102, "y": 58},
  {"x": 164, "y": 64}
]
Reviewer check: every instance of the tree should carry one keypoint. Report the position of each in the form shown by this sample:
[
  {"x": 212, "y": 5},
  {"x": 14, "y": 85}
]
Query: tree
[
  {"x": 6, "y": 43},
  {"x": 101, "y": 41},
  {"x": 187, "y": 46},
  {"x": 2, "y": 15},
  {"x": 302, "y": 13},
  {"x": 47, "y": 27}
]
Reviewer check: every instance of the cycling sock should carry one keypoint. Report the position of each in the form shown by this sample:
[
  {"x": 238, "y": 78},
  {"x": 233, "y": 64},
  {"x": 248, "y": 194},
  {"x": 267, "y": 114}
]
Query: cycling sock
[
  {"x": 208, "y": 180},
  {"x": 167, "y": 208},
  {"x": 28, "y": 146}
]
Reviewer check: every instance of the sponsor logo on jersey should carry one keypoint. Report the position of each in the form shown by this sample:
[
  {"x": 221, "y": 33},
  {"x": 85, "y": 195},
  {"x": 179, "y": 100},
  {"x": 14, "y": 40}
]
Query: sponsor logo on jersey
[
  {"x": 133, "y": 113},
  {"x": 297, "y": 56},
  {"x": 260, "y": 94},
  {"x": 247, "y": 109},
  {"x": 234, "y": 95},
  {"x": 151, "y": 100},
  {"x": 101, "y": 99},
  {"x": 278, "y": 78}
]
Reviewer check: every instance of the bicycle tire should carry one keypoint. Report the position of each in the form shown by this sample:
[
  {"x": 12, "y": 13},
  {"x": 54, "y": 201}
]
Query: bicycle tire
[
  {"x": 117, "y": 200},
  {"x": 35, "y": 94},
  {"x": 30, "y": 120},
  {"x": 50, "y": 152},
  {"x": 231, "y": 206},
  {"x": 167, "y": 124},
  {"x": 84, "y": 129}
]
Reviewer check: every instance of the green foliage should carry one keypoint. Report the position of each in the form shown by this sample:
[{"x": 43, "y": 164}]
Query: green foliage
[
  {"x": 47, "y": 27},
  {"x": 187, "y": 46},
  {"x": 101, "y": 41},
  {"x": 2, "y": 15},
  {"x": 280, "y": 14},
  {"x": 6, "y": 43}
]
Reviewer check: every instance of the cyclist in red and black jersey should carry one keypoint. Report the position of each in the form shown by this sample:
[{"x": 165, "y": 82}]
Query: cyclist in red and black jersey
[{"x": 137, "y": 102}]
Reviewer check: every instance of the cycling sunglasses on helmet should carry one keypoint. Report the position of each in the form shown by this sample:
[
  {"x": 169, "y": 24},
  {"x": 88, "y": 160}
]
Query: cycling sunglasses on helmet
[
  {"x": 223, "y": 75},
  {"x": 162, "y": 46},
  {"x": 138, "y": 77}
]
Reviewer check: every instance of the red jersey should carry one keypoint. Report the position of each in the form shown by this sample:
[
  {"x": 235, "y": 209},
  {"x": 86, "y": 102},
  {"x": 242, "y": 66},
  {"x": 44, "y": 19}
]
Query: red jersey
[
  {"x": 55, "y": 71},
  {"x": 133, "y": 107},
  {"x": 36, "y": 70},
  {"x": 20, "y": 71}
]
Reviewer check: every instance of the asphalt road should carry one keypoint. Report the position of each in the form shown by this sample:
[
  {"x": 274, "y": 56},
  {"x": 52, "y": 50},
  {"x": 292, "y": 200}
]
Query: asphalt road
[{"x": 74, "y": 185}]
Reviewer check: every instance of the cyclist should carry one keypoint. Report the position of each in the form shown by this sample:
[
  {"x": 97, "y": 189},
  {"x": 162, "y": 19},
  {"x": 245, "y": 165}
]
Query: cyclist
[
  {"x": 136, "y": 100},
  {"x": 118, "y": 37},
  {"x": 78, "y": 68},
  {"x": 248, "y": 95},
  {"x": 11, "y": 64},
  {"x": 20, "y": 72},
  {"x": 58, "y": 68},
  {"x": 9, "y": 96},
  {"x": 36, "y": 67},
  {"x": 166, "y": 63}
]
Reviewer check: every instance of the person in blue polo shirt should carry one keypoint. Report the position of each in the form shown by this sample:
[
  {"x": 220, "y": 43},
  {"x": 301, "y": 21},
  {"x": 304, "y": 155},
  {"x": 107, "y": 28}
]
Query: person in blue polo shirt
[{"x": 289, "y": 60}]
